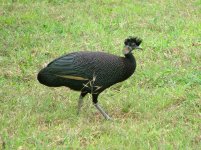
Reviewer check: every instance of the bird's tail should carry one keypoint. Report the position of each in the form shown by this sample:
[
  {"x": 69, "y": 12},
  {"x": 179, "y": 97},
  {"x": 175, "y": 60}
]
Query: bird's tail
[{"x": 48, "y": 79}]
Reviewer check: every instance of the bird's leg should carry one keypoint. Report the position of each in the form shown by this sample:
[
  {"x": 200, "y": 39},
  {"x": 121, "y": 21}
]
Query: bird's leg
[
  {"x": 102, "y": 111},
  {"x": 80, "y": 102},
  {"x": 95, "y": 101}
]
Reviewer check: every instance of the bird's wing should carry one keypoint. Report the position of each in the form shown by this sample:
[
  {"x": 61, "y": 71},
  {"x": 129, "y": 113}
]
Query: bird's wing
[{"x": 65, "y": 67}]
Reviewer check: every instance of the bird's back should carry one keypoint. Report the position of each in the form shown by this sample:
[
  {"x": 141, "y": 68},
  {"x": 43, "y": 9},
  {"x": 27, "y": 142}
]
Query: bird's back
[{"x": 107, "y": 68}]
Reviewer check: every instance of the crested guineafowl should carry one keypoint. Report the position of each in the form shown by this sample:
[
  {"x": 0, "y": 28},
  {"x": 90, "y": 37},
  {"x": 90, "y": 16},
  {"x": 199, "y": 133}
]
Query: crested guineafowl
[{"x": 91, "y": 72}]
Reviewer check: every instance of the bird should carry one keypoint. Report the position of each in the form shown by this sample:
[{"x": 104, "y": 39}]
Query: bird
[{"x": 91, "y": 72}]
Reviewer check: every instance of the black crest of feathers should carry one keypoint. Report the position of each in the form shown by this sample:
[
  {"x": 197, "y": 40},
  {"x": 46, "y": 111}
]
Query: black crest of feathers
[{"x": 133, "y": 40}]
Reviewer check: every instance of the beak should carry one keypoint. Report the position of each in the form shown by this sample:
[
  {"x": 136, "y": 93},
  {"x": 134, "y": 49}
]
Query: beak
[{"x": 139, "y": 48}]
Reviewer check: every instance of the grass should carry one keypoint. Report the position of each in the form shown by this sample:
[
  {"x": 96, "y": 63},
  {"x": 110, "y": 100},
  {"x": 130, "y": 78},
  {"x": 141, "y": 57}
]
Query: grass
[{"x": 159, "y": 107}]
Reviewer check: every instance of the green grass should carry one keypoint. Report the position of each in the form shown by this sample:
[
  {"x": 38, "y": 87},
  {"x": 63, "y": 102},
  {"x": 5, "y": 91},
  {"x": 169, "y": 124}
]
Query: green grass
[{"x": 159, "y": 107}]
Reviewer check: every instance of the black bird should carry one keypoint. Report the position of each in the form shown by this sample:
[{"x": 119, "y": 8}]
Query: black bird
[{"x": 91, "y": 72}]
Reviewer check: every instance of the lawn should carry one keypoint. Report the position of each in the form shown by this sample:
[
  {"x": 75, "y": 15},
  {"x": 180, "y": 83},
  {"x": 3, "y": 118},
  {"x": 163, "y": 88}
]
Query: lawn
[{"x": 159, "y": 107}]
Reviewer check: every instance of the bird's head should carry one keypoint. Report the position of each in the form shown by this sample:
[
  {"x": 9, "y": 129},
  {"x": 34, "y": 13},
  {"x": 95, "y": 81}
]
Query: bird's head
[{"x": 130, "y": 44}]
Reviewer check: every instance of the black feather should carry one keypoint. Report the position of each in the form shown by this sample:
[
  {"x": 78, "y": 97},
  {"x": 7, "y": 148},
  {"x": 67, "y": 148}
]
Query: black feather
[
  {"x": 89, "y": 72},
  {"x": 129, "y": 41}
]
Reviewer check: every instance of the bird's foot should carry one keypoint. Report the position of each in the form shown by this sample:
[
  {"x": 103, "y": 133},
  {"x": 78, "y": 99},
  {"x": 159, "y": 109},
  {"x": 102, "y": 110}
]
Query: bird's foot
[{"x": 107, "y": 117}]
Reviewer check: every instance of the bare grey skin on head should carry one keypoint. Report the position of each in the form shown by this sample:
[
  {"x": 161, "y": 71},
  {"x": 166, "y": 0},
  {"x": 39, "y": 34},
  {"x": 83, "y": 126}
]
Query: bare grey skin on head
[{"x": 91, "y": 72}]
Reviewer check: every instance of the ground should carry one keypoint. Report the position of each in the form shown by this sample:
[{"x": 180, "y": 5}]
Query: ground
[{"x": 159, "y": 107}]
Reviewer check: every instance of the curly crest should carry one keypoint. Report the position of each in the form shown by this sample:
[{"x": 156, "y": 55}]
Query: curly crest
[{"x": 133, "y": 40}]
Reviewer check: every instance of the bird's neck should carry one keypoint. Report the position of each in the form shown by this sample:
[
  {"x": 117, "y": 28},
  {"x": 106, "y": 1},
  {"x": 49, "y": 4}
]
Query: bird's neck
[
  {"x": 130, "y": 64},
  {"x": 130, "y": 57}
]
